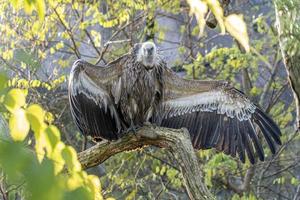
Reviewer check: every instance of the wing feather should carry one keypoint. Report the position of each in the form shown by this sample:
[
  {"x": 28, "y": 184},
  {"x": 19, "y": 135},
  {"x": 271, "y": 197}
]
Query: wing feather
[
  {"x": 217, "y": 115},
  {"x": 92, "y": 106},
  {"x": 241, "y": 148},
  {"x": 255, "y": 140},
  {"x": 247, "y": 143}
]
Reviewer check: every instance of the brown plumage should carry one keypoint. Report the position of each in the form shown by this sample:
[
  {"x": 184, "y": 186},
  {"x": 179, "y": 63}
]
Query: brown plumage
[{"x": 107, "y": 101}]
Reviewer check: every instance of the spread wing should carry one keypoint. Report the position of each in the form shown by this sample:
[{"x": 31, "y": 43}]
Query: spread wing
[
  {"x": 217, "y": 116},
  {"x": 91, "y": 101}
]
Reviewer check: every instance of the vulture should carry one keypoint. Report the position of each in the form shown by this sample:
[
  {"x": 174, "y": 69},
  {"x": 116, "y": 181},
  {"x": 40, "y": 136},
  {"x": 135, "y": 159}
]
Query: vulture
[{"x": 108, "y": 101}]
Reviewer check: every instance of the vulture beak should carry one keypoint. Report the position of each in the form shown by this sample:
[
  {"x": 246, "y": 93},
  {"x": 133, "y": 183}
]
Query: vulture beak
[{"x": 147, "y": 55}]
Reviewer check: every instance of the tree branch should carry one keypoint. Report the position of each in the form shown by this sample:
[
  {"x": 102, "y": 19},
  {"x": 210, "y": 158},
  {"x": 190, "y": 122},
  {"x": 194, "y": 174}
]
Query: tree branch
[
  {"x": 69, "y": 32},
  {"x": 176, "y": 141},
  {"x": 245, "y": 186}
]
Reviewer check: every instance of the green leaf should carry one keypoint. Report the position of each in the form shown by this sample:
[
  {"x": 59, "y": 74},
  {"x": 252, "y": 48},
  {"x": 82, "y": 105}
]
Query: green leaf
[
  {"x": 14, "y": 99},
  {"x": 79, "y": 193},
  {"x": 295, "y": 181},
  {"x": 3, "y": 81},
  {"x": 18, "y": 125},
  {"x": 131, "y": 195},
  {"x": 236, "y": 26},
  {"x": 26, "y": 57},
  {"x": 13, "y": 158}
]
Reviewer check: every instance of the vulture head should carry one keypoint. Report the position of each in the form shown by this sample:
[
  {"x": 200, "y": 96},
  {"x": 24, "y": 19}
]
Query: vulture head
[{"x": 147, "y": 55}]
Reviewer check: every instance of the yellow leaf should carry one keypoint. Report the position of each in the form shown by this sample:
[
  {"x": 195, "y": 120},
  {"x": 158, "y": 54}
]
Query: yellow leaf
[
  {"x": 236, "y": 26},
  {"x": 70, "y": 156},
  {"x": 74, "y": 181},
  {"x": 40, "y": 7},
  {"x": 199, "y": 9},
  {"x": 57, "y": 156},
  {"x": 53, "y": 136},
  {"x": 59, "y": 45},
  {"x": 131, "y": 195},
  {"x": 39, "y": 149},
  {"x": 95, "y": 185},
  {"x": 36, "y": 114},
  {"x": 28, "y": 6},
  {"x": 14, "y": 99},
  {"x": 217, "y": 10},
  {"x": 18, "y": 125},
  {"x": 49, "y": 117},
  {"x": 14, "y": 3}
]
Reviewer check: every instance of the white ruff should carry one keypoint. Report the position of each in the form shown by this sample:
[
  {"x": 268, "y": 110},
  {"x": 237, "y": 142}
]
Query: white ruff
[{"x": 211, "y": 101}]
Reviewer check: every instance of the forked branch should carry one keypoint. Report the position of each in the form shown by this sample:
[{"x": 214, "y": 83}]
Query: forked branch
[{"x": 176, "y": 141}]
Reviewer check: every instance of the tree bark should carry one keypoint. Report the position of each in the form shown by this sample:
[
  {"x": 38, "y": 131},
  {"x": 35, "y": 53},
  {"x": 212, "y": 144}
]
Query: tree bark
[
  {"x": 291, "y": 62},
  {"x": 176, "y": 141}
]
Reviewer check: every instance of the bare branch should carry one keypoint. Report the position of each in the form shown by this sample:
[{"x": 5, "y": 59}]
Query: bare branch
[
  {"x": 76, "y": 51},
  {"x": 245, "y": 186}
]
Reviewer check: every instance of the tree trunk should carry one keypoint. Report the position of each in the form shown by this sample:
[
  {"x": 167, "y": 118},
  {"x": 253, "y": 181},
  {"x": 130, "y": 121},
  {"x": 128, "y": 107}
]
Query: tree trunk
[
  {"x": 291, "y": 62},
  {"x": 176, "y": 141}
]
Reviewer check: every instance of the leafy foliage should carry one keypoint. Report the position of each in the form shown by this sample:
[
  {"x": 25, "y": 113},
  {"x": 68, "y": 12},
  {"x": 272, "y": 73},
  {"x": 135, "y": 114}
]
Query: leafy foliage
[
  {"x": 42, "y": 169},
  {"x": 43, "y": 38}
]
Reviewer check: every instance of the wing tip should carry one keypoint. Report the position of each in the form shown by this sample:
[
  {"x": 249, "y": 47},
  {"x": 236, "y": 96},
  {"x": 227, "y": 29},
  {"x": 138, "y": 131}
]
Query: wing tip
[{"x": 269, "y": 128}]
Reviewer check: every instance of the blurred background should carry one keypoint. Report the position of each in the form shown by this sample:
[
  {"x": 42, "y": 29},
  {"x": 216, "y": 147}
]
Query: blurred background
[{"x": 39, "y": 41}]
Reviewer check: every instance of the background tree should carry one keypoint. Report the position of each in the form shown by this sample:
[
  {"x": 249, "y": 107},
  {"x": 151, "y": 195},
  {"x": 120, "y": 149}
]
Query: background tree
[
  {"x": 287, "y": 21},
  {"x": 40, "y": 41}
]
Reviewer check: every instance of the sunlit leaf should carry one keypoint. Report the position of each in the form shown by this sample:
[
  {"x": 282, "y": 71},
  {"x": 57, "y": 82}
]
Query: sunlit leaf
[
  {"x": 199, "y": 9},
  {"x": 95, "y": 185},
  {"x": 28, "y": 6},
  {"x": 35, "y": 114},
  {"x": 70, "y": 156},
  {"x": 40, "y": 7},
  {"x": 40, "y": 145},
  {"x": 14, "y": 3},
  {"x": 49, "y": 117},
  {"x": 236, "y": 26},
  {"x": 74, "y": 181},
  {"x": 56, "y": 155},
  {"x": 131, "y": 195},
  {"x": 15, "y": 99},
  {"x": 18, "y": 125},
  {"x": 217, "y": 10},
  {"x": 53, "y": 135}
]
